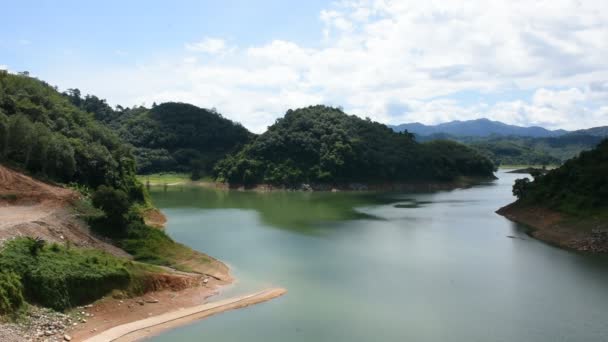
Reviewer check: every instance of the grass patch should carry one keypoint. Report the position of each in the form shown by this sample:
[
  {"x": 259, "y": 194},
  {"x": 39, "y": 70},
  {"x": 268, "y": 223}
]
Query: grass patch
[
  {"x": 151, "y": 245},
  {"x": 164, "y": 178}
]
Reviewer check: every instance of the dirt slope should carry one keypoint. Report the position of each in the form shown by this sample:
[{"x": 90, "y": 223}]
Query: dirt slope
[{"x": 29, "y": 207}]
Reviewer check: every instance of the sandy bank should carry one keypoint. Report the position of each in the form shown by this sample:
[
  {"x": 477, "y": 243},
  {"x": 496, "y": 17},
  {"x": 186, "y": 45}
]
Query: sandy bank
[
  {"x": 589, "y": 234},
  {"x": 153, "y": 325}
]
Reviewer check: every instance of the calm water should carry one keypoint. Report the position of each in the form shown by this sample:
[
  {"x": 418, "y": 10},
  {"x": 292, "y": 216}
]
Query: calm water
[{"x": 387, "y": 267}]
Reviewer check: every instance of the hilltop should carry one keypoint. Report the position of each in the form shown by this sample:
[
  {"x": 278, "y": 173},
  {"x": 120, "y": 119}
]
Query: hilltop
[
  {"x": 169, "y": 137},
  {"x": 324, "y": 146}
]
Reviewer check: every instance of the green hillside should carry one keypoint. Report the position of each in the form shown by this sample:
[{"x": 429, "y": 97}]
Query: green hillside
[
  {"x": 578, "y": 187},
  {"x": 42, "y": 132},
  {"x": 169, "y": 137},
  {"x": 320, "y": 144}
]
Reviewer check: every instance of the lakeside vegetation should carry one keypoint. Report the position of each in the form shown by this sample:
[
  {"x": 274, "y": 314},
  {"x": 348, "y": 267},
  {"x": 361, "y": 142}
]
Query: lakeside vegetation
[
  {"x": 578, "y": 188},
  {"x": 321, "y": 144}
]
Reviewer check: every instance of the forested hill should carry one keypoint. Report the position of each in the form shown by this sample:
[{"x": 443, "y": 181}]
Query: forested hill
[
  {"x": 321, "y": 144},
  {"x": 171, "y": 136},
  {"x": 42, "y": 132},
  {"x": 578, "y": 187}
]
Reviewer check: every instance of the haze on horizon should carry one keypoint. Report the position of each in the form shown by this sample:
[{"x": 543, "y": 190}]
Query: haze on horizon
[{"x": 526, "y": 63}]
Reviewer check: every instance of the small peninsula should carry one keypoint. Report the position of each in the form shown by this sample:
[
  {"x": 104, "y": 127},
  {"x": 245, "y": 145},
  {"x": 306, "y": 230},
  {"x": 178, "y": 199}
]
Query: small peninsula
[{"x": 567, "y": 206}]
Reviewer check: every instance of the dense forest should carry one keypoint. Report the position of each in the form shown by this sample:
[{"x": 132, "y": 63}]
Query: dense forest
[
  {"x": 321, "y": 144},
  {"x": 578, "y": 187},
  {"x": 42, "y": 132},
  {"x": 171, "y": 136},
  {"x": 519, "y": 150}
]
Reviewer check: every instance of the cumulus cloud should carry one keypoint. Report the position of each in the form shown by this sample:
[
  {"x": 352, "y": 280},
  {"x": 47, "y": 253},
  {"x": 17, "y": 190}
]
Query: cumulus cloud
[{"x": 406, "y": 60}]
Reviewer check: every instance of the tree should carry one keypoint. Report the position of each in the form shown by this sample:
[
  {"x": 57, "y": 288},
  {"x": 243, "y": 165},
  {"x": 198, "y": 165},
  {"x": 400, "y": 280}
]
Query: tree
[
  {"x": 4, "y": 126},
  {"x": 521, "y": 187},
  {"x": 115, "y": 205},
  {"x": 19, "y": 138}
]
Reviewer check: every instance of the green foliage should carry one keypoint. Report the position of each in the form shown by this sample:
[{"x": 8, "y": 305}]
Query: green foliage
[
  {"x": 115, "y": 204},
  {"x": 578, "y": 187},
  {"x": 60, "y": 278},
  {"x": 148, "y": 244},
  {"x": 42, "y": 132},
  {"x": 35, "y": 246},
  {"x": 169, "y": 137},
  {"x": 520, "y": 187},
  {"x": 519, "y": 150},
  {"x": 11, "y": 293},
  {"x": 325, "y": 145}
]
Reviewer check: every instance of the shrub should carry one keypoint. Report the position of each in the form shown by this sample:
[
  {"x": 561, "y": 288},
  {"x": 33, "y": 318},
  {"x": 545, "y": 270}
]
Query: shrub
[
  {"x": 61, "y": 278},
  {"x": 11, "y": 293},
  {"x": 115, "y": 204}
]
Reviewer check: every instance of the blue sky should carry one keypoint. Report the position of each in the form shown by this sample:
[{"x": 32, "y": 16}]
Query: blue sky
[{"x": 540, "y": 63}]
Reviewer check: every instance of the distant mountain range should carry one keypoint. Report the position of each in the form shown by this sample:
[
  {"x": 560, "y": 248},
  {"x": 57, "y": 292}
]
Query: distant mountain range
[{"x": 486, "y": 127}]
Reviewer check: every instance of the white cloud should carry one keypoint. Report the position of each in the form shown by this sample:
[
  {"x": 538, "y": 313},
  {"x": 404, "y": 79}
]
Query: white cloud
[
  {"x": 208, "y": 45},
  {"x": 377, "y": 56}
]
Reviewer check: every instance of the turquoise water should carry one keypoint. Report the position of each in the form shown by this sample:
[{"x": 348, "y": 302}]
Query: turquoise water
[{"x": 387, "y": 267}]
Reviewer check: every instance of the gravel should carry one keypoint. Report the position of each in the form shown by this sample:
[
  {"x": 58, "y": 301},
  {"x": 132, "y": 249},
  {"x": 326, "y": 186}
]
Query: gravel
[{"x": 39, "y": 325}]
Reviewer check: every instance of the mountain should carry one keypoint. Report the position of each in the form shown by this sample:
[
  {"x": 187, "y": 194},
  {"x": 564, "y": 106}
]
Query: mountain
[
  {"x": 601, "y": 131},
  {"x": 477, "y": 128},
  {"x": 171, "y": 136},
  {"x": 324, "y": 145}
]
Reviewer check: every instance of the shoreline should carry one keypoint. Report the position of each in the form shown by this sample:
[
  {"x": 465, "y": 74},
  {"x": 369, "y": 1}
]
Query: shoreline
[
  {"x": 137, "y": 330},
  {"x": 588, "y": 235},
  {"x": 461, "y": 182}
]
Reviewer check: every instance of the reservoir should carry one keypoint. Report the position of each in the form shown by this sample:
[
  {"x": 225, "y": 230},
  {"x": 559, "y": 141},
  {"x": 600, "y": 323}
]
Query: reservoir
[{"x": 438, "y": 266}]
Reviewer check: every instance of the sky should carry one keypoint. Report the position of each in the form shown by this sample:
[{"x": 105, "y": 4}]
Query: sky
[{"x": 521, "y": 62}]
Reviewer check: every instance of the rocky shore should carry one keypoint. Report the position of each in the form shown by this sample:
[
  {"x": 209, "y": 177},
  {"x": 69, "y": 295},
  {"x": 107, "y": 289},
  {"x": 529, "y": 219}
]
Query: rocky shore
[{"x": 588, "y": 234}]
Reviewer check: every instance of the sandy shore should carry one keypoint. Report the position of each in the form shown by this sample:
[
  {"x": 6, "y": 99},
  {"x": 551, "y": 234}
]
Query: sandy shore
[{"x": 153, "y": 325}]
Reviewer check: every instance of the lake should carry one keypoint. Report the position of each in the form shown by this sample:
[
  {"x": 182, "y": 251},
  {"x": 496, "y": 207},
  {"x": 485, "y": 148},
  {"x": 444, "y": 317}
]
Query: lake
[{"x": 387, "y": 267}]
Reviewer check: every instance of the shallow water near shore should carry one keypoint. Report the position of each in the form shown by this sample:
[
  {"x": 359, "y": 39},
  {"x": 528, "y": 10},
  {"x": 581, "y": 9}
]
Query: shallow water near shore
[{"x": 387, "y": 267}]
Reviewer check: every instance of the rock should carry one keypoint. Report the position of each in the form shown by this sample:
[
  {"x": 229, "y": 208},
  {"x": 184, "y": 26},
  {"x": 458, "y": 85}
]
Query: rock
[
  {"x": 152, "y": 301},
  {"x": 205, "y": 281},
  {"x": 140, "y": 302},
  {"x": 83, "y": 320},
  {"x": 67, "y": 337},
  {"x": 49, "y": 333},
  {"x": 306, "y": 187}
]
